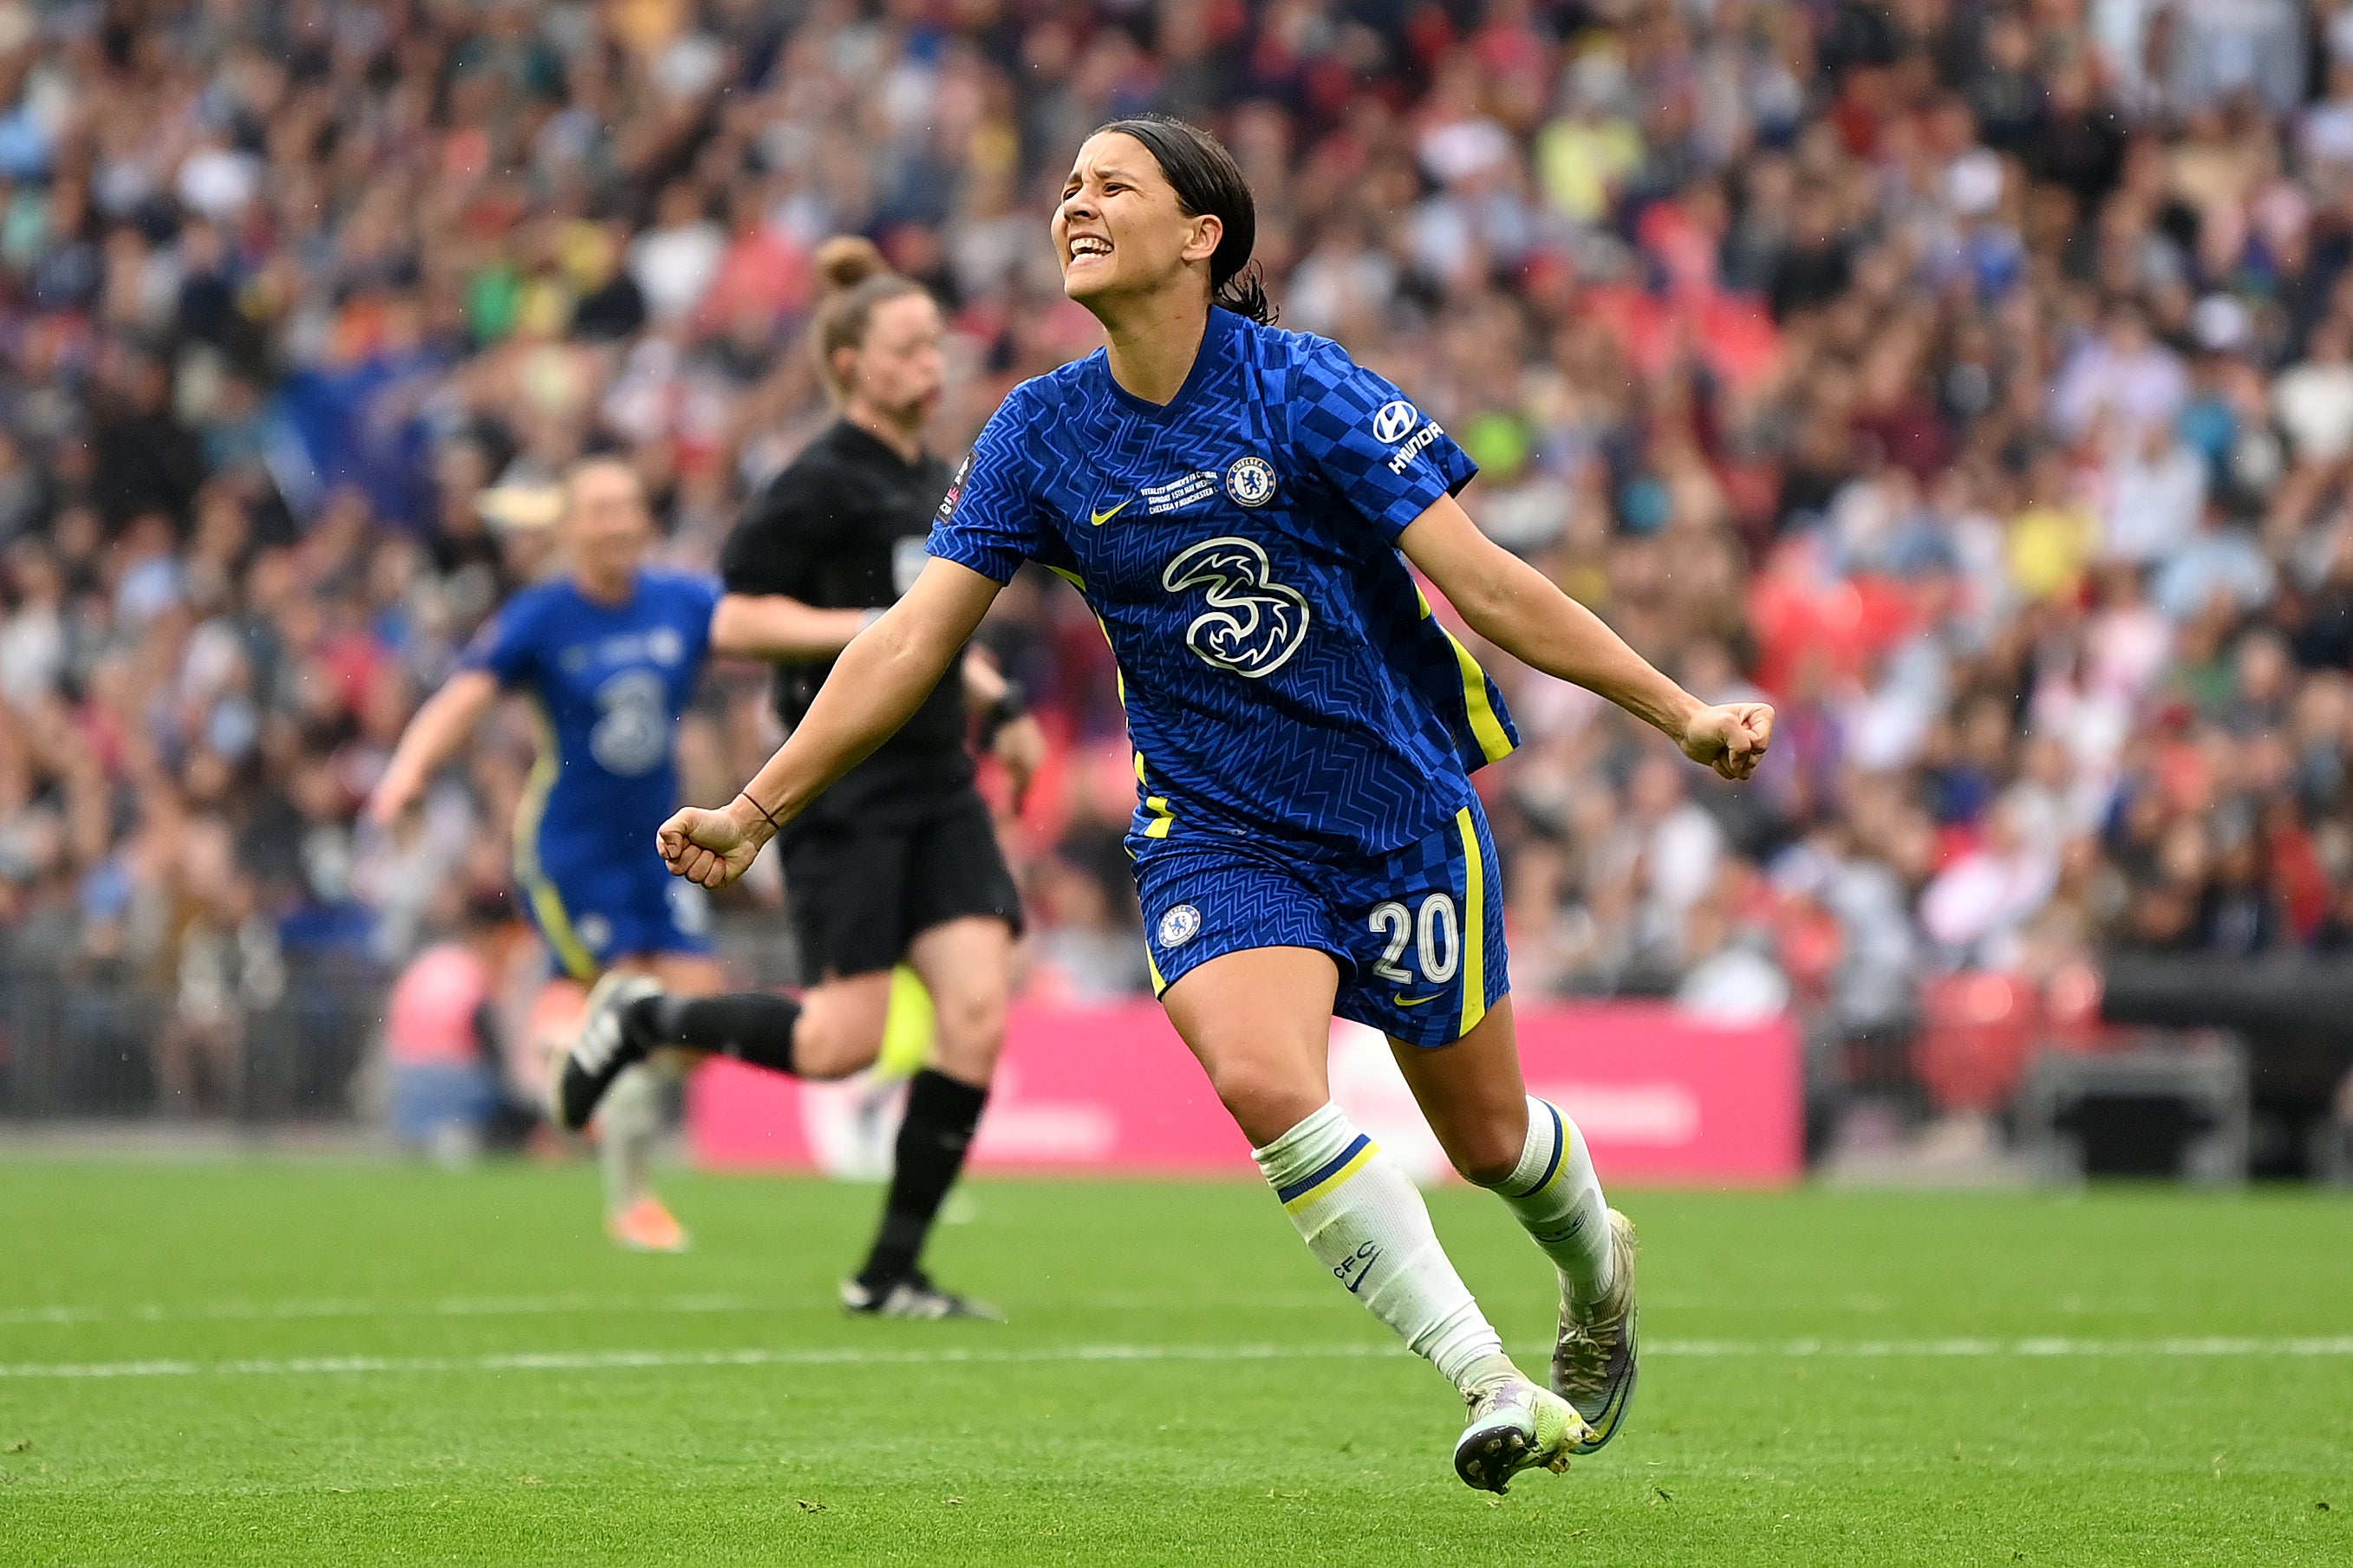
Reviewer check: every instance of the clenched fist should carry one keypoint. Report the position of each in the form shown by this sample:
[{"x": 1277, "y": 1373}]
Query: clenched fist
[
  {"x": 1730, "y": 739},
  {"x": 713, "y": 848}
]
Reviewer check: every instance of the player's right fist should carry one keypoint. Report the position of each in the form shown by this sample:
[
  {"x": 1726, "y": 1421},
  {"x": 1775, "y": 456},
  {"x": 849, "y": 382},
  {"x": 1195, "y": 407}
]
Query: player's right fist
[{"x": 709, "y": 848}]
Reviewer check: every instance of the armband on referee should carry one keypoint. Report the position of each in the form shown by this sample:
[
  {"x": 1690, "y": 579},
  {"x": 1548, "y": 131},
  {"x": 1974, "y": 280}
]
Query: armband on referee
[{"x": 1014, "y": 704}]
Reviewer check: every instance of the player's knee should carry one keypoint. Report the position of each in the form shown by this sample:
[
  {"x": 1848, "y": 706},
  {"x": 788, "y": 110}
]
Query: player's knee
[
  {"x": 1484, "y": 1156},
  {"x": 1266, "y": 1098}
]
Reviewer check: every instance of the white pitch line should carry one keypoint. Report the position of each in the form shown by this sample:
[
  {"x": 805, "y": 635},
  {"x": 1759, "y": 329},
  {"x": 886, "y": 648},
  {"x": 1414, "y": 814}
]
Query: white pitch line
[
  {"x": 637, "y": 1360},
  {"x": 627, "y": 1361},
  {"x": 448, "y": 1306},
  {"x": 2315, "y": 1345},
  {"x": 63, "y": 1316}
]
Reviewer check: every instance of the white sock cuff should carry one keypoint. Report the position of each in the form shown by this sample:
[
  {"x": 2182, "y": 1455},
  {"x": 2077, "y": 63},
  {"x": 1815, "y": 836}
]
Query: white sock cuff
[
  {"x": 1543, "y": 1154},
  {"x": 1314, "y": 1141}
]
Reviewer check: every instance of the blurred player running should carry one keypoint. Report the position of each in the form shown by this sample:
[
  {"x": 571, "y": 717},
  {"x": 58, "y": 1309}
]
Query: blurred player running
[
  {"x": 898, "y": 863},
  {"x": 608, "y": 655},
  {"x": 1239, "y": 506}
]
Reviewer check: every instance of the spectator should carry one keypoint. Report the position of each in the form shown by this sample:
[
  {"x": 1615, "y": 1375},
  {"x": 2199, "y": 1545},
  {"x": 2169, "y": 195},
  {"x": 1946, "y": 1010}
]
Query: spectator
[
  {"x": 441, "y": 1039},
  {"x": 1975, "y": 381}
]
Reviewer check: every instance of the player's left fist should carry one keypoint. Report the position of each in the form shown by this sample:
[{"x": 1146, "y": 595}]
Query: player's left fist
[
  {"x": 1731, "y": 738},
  {"x": 709, "y": 848}
]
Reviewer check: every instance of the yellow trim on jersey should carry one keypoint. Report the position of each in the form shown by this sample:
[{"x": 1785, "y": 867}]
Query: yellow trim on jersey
[
  {"x": 1475, "y": 924},
  {"x": 1488, "y": 730},
  {"x": 1493, "y": 744},
  {"x": 1164, "y": 818},
  {"x": 555, "y": 925},
  {"x": 1337, "y": 1178},
  {"x": 546, "y": 902}
]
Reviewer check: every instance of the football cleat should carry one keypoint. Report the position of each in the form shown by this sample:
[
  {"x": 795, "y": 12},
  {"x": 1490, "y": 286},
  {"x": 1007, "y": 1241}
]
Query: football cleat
[
  {"x": 1593, "y": 1362},
  {"x": 646, "y": 1226},
  {"x": 599, "y": 1053},
  {"x": 1515, "y": 1425},
  {"x": 913, "y": 1297}
]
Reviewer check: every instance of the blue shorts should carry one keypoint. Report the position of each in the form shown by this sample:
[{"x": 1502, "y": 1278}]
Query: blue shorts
[
  {"x": 1419, "y": 935},
  {"x": 594, "y": 909}
]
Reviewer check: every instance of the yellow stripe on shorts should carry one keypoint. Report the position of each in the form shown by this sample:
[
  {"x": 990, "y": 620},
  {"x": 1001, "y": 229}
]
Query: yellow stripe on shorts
[{"x": 1475, "y": 924}]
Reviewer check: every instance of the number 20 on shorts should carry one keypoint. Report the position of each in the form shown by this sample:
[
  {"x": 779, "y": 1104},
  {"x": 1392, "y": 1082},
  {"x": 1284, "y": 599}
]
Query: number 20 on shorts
[{"x": 1435, "y": 934}]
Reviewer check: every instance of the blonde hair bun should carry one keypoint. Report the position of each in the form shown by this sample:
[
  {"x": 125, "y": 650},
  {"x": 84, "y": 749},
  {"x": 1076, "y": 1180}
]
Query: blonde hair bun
[{"x": 849, "y": 260}]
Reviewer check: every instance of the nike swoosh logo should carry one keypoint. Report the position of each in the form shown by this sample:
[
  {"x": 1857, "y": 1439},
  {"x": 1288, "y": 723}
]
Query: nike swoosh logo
[
  {"x": 1404, "y": 1001},
  {"x": 1100, "y": 518}
]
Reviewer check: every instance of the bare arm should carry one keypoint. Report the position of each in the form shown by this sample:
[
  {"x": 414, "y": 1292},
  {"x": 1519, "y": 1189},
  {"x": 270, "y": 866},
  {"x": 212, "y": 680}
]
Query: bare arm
[
  {"x": 1018, "y": 742},
  {"x": 1521, "y": 611},
  {"x": 877, "y": 684},
  {"x": 776, "y": 626},
  {"x": 985, "y": 685},
  {"x": 432, "y": 737}
]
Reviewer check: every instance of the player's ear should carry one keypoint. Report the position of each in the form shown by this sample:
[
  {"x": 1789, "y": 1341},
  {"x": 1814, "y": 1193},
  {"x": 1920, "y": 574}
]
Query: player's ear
[{"x": 1202, "y": 237}]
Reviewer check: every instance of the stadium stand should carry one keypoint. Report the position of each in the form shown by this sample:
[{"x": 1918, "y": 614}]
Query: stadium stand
[{"x": 1976, "y": 379}]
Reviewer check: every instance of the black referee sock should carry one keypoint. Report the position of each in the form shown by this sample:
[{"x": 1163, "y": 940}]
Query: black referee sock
[
  {"x": 755, "y": 1026},
  {"x": 941, "y": 1114}
]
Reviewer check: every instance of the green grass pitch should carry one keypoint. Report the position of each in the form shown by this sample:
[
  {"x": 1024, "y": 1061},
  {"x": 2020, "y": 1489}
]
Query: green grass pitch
[{"x": 285, "y": 1361}]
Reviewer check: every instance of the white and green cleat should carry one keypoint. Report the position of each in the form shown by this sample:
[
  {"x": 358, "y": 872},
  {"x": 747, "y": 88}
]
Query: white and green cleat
[
  {"x": 1516, "y": 1423},
  {"x": 1593, "y": 1361}
]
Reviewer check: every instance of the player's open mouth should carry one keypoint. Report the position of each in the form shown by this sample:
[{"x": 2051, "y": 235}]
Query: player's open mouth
[{"x": 1087, "y": 246}]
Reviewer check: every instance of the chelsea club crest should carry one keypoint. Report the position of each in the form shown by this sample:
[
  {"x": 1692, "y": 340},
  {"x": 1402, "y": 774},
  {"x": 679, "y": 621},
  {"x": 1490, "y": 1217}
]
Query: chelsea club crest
[
  {"x": 1251, "y": 482},
  {"x": 1178, "y": 925}
]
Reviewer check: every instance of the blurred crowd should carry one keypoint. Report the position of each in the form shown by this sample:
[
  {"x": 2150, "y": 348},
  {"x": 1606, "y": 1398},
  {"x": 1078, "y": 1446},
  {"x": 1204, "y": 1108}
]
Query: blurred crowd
[{"x": 1973, "y": 377}]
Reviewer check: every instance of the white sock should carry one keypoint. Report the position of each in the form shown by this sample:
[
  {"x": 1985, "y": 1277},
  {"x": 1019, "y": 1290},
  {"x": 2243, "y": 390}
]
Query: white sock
[
  {"x": 1364, "y": 1221},
  {"x": 628, "y": 1122},
  {"x": 1554, "y": 1192}
]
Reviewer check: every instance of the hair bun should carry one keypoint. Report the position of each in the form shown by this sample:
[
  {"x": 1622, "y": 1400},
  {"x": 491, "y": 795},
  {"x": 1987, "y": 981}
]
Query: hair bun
[{"x": 849, "y": 260}]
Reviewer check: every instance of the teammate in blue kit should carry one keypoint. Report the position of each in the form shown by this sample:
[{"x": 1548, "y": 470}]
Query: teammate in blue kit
[
  {"x": 1239, "y": 505},
  {"x": 609, "y": 655}
]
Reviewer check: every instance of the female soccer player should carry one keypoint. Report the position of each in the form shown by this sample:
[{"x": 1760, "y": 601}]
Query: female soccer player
[
  {"x": 608, "y": 654},
  {"x": 1233, "y": 502},
  {"x": 898, "y": 862}
]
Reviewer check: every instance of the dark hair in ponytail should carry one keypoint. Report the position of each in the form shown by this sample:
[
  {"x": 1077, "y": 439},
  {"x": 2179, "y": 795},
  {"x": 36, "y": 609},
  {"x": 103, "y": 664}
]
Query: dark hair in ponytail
[
  {"x": 856, "y": 279},
  {"x": 1208, "y": 183}
]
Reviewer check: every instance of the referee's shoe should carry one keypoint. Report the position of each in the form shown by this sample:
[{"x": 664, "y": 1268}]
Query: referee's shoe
[
  {"x": 913, "y": 1296},
  {"x": 605, "y": 1046}
]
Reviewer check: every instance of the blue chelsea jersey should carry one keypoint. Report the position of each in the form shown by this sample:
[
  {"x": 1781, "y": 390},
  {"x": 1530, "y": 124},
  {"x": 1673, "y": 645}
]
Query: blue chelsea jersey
[
  {"x": 1283, "y": 676},
  {"x": 609, "y": 682}
]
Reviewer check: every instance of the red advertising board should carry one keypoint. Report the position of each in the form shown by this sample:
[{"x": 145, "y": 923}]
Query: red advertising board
[{"x": 1661, "y": 1097}]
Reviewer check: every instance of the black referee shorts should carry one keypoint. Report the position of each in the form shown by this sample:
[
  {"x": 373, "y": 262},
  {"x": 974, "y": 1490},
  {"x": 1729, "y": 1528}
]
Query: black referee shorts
[{"x": 859, "y": 895}]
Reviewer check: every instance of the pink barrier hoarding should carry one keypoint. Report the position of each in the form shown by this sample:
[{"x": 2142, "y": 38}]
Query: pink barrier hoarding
[{"x": 1661, "y": 1096}]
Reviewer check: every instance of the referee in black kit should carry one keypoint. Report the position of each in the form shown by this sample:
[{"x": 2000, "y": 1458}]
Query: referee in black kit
[{"x": 898, "y": 862}]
